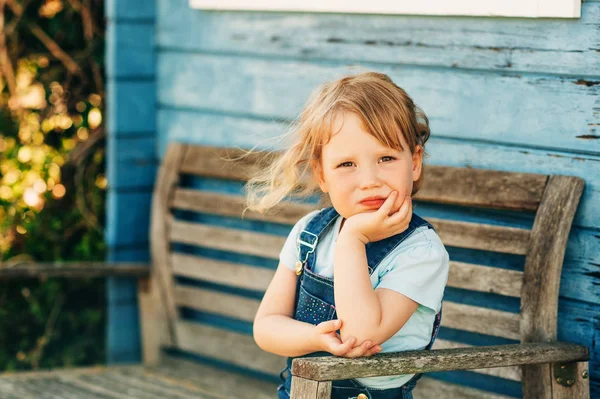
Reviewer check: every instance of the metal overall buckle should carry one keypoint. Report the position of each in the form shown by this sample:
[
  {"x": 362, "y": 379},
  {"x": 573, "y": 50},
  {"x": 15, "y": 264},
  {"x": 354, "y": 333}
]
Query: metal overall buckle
[{"x": 300, "y": 264}]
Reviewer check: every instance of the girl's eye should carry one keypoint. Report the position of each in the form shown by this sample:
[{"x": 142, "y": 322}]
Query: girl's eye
[
  {"x": 345, "y": 164},
  {"x": 387, "y": 159}
]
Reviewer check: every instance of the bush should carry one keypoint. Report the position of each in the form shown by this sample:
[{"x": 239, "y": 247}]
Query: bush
[{"x": 52, "y": 183}]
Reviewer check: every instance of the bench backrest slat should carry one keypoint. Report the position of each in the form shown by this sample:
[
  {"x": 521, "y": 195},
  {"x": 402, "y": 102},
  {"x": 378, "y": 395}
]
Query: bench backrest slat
[{"x": 537, "y": 286}]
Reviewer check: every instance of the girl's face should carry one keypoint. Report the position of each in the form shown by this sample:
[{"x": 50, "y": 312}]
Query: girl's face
[{"x": 359, "y": 172}]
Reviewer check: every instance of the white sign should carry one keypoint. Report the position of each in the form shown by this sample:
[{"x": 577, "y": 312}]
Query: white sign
[{"x": 489, "y": 8}]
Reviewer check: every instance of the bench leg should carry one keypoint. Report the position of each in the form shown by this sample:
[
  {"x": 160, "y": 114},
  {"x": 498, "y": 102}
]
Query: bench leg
[
  {"x": 304, "y": 389},
  {"x": 580, "y": 387}
]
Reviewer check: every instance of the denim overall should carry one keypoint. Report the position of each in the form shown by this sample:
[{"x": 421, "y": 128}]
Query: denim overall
[{"x": 315, "y": 303}]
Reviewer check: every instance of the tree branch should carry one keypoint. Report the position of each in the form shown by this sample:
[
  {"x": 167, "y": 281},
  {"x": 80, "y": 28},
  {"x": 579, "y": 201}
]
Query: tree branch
[{"x": 7, "y": 68}]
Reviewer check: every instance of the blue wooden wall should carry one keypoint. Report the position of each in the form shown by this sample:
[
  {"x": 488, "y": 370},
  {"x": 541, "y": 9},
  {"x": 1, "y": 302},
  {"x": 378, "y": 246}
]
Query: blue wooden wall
[
  {"x": 501, "y": 93},
  {"x": 132, "y": 161}
]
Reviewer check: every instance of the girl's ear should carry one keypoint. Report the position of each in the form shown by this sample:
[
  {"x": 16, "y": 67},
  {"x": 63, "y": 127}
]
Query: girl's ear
[{"x": 417, "y": 162}]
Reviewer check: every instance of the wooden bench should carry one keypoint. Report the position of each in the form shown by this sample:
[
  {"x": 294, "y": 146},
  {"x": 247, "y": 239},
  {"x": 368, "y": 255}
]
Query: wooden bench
[{"x": 190, "y": 244}]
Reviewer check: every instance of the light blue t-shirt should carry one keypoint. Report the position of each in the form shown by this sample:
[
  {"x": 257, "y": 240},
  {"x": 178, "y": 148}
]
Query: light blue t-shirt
[{"x": 417, "y": 268}]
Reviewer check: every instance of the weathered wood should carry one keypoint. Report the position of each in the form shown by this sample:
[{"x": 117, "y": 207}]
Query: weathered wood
[
  {"x": 221, "y": 272},
  {"x": 228, "y": 346},
  {"x": 153, "y": 319},
  {"x": 410, "y": 362},
  {"x": 510, "y": 373},
  {"x": 224, "y": 383},
  {"x": 225, "y": 239},
  {"x": 73, "y": 269},
  {"x": 461, "y": 275},
  {"x": 581, "y": 383},
  {"x": 167, "y": 179},
  {"x": 216, "y": 302},
  {"x": 429, "y": 388},
  {"x": 481, "y": 320},
  {"x": 543, "y": 266},
  {"x": 234, "y": 206},
  {"x": 485, "y": 279},
  {"x": 308, "y": 389},
  {"x": 459, "y": 234},
  {"x": 447, "y": 185}
]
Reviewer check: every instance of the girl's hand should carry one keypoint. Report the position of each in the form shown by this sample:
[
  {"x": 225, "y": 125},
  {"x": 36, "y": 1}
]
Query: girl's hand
[
  {"x": 384, "y": 223},
  {"x": 330, "y": 341}
]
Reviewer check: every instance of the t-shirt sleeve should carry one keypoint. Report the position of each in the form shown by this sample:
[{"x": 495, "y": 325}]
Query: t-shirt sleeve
[
  {"x": 420, "y": 272},
  {"x": 289, "y": 253}
]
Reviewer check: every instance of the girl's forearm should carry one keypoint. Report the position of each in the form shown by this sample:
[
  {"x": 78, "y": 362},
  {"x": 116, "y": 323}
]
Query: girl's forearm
[
  {"x": 285, "y": 336},
  {"x": 356, "y": 303}
]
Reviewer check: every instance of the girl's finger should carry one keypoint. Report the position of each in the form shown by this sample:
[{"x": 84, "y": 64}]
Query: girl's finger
[
  {"x": 328, "y": 326},
  {"x": 360, "y": 350},
  {"x": 388, "y": 203},
  {"x": 345, "y": 347},
  {"x": 374, "y": 350},
  {"x": 404, "y": 211}
]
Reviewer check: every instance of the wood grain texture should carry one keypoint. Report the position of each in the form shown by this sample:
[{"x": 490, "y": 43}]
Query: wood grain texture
[
  {"x": 459, "y": 234},
  {"x": 229, "y": 84},
  {"x": 166, "y": 181},
  {"x": 308, "y": 389},
  {"x": 216, "y": 302},
  {"x": 543, "y": 267},
  {"x": 225, "y": 239},
  {"x": 491, "y": 44},
  {"x": 73, "y": 269},
  {"x": 481, "y": 320},
  {"x": 581, "y": 387},
  {"x": 221, "y": 272},
  {"x": 446, "y": 185},
  {"x": 429, "y": 388},
  {"x": 409, "y": 362},
  {"x": 510, "y": 373},
  {"x": 228, "y": 346},
  {"x": 154, "y": 325}
]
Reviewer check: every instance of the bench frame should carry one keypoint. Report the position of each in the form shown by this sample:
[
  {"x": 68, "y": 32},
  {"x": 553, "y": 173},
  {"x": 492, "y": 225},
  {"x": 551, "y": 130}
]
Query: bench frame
[{"x": 550, "y": 369}]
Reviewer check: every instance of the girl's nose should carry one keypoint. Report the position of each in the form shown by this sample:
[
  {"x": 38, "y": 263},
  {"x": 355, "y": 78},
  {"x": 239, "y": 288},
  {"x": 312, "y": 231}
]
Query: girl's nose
[{"x": 369, "y": 178}]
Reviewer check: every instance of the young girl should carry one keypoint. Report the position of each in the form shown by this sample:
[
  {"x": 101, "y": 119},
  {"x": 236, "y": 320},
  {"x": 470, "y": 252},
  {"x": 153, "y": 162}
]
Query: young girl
[{"x": 360, "y": 140}]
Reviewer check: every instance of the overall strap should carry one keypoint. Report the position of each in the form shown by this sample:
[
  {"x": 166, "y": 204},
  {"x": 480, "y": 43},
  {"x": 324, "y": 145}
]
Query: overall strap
[
  {"x": 307, "y": 240},
  {"x": 377, "y": 251}
]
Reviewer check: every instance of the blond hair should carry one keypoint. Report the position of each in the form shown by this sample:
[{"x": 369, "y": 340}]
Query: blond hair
[{"x": 385, "y": 110}]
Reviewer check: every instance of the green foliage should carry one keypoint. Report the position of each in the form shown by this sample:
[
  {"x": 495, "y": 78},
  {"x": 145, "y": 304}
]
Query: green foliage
[{"x": 52, "y": 184}]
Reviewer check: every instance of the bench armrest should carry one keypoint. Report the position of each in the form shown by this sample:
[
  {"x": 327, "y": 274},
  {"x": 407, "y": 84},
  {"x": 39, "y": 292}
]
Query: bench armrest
[
  {"x": 425, "y": 361},
  {"x": 73, "y": 269}
]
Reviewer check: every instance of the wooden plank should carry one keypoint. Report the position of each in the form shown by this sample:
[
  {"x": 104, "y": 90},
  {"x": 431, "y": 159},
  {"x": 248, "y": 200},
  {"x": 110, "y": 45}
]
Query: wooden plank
[
  {"x": 153, "y": 319},
  {"x": 308, "y": 389},
  {"x": 461, "y": 275},
  {"x": 28, "y": 269},
  {"x": 228, "y": 346},
  {"x": 496, "y": 44},
  {"x": 229, "y": 84},
  {"x": 130, "y": 50},
  {"x": 220, "y": 272},
  {"x": 159, "y": 244},
  {"x": 543, "y": 266},
  {"x": 481, "y": 320},
  {"x": 128, "y": 217},
  {"x": 249, "y": 132},
  {"x": 459, "y": 234},
  {"x": 580, "y": 387},
  {"x": 447, "y": 185},
  {"x": 232, "y": 205},
  {"x": 238, "y": 241},
  {"x": 510, "y": 373},
  {"x": 410, "y": 362},
  {"x": 429, "y": 388},
  {"x": 485, "y": 279},
  {"x": 224, "y": 383},
  {"x": 216, "y": 302}
]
